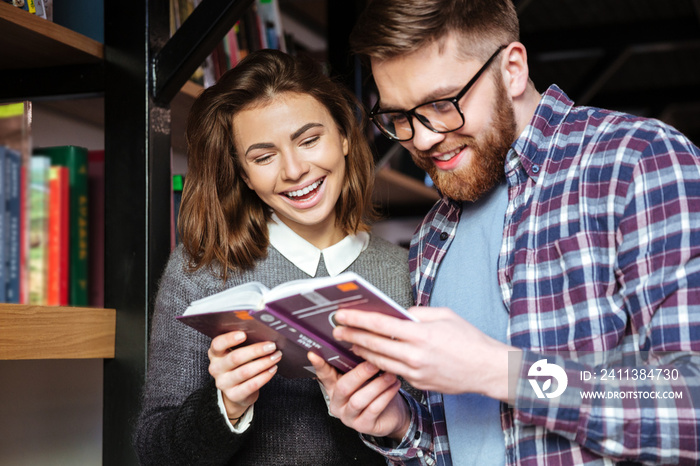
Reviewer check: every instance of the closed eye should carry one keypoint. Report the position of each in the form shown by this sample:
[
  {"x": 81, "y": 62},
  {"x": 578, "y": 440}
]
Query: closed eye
[
  {"x": 263, "y": 159},
  {"x": 310, "y": 142}
]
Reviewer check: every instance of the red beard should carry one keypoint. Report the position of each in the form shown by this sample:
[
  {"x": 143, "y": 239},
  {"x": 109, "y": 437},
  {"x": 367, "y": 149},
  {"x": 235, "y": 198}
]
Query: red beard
[{"x": 486, "y": 169}]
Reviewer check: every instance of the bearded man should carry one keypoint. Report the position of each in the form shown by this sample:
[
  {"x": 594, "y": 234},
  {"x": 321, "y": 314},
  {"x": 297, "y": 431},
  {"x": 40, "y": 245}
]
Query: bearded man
[{"x": 565, "y": 248}]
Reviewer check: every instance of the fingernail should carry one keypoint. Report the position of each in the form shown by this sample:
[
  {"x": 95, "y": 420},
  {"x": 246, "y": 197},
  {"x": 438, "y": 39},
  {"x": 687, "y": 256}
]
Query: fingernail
[
  {"x": 371, "y": 367},
  {"x": 269, "y": 347},
  {"x": 239, "y": 336},
  {"x": 272, "y": 370},
  {"x": 276, "y": 356},
  {"x": 340, "y": 316}
]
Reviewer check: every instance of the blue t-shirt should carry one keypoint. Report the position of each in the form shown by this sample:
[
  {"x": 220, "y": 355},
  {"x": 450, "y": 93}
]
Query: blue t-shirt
[{"x": 467, "y": 283}]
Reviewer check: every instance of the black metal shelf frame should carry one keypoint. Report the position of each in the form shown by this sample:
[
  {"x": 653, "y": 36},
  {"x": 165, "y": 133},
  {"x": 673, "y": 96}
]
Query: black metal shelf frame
[{"x": 139, "y": 83}]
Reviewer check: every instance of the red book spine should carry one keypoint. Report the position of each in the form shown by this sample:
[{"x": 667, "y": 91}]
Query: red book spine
[{"x": 58, "y": 246}]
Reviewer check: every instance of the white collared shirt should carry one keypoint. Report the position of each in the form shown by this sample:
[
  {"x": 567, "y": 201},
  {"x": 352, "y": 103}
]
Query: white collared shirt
[{"x": 306, "y": 257}]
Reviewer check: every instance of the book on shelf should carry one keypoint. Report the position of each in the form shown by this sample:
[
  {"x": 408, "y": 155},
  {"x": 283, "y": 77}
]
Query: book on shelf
[
  {"x": 23, "y": 4},
  {"x": 4, "y": 232},
  {"x": 58, "y": 236},
  {"x": 232, "y": 48},
  {"x": 15, "y": 137},
  {"x": 260, "y": 27},
  {"x": 75, "y": 158},
  {"x": 299, "y": 316},
  {"x": 44, "y": 9},
  {"x": 269, "y": 11},
  {"x": 13, "y": 217},
  {"x": 41, "y": 8},
  {"x": 96, "y": 227},
  {"x": 38, "y": 229}
]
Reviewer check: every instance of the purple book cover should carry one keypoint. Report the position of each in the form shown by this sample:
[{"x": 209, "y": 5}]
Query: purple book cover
[
  {"x": 308, "y": 317},
  {"x": 294, "y": 363},
  {"x": 298, "y": 316}
]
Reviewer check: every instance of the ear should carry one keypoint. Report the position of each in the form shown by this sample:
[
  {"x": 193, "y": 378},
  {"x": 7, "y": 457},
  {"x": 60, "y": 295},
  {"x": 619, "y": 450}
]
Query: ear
[
  {"x": 515, "y": 69},
  {"x": 346, "y": 146}
]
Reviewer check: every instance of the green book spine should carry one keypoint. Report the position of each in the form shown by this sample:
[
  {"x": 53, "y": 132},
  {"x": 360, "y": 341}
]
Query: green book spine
[
  {"x": 38, "y": 229},
  {"x": 75, "y": 158}
]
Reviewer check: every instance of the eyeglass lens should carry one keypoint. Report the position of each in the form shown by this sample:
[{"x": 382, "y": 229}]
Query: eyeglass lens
[{"x": 440, "y": 116}]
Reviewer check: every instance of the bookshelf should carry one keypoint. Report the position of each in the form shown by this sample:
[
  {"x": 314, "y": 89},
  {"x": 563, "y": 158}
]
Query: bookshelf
[
  {"x": 32, "y": 42},
  {"x": 69, "y": 333}
]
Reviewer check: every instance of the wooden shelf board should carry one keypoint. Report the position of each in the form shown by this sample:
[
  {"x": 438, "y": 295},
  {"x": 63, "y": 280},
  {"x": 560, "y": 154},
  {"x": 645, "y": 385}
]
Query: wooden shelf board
[
  {"x": 52, "y": 332},
  {"x": 33, "y": 42}
]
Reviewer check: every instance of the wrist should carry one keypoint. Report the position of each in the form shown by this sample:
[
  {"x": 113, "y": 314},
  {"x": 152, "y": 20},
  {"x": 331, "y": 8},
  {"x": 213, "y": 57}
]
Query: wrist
[
  {"x": 497, "y": 385},
  {"x": 399, "y": 433},
  {"x": 234, "y": 412},
  {"x": 404, "y": 422}
]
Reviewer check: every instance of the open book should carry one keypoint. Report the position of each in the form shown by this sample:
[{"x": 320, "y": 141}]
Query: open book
[{"x": 298, "y": 316}]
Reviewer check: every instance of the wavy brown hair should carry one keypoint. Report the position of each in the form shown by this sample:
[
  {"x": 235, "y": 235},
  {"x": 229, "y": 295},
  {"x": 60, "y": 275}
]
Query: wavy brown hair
[
  {"x": 221, "y": 221},
  {"x": 389, "y": 28}
]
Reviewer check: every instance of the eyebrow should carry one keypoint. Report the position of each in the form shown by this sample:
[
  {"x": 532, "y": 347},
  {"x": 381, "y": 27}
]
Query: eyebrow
[
  {"x": 293, "y": 136},
  {"x": 259, "y": 145},
  {"x": 303, "y": 129}
]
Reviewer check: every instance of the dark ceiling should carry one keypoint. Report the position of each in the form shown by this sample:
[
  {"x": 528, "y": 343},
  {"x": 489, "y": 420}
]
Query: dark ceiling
[{"x": 639, "y": 56}]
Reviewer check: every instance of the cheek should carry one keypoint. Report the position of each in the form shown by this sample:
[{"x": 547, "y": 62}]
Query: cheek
[
  {"x": 259, "y": 180},
  {"x": 342, "y": 168}
]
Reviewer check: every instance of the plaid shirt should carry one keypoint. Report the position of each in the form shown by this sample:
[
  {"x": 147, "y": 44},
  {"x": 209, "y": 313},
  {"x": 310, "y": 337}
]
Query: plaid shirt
[{"x": 600, "y": 253}]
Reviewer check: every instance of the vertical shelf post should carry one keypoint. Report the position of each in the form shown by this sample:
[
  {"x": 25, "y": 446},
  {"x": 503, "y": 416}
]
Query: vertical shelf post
[
  {"x": 137, "y": 207},
  {"x": 138, "y": 184}
]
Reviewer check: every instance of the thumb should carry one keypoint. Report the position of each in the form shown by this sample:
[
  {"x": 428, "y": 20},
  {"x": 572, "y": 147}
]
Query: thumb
[{"x": 325, "y": 373}]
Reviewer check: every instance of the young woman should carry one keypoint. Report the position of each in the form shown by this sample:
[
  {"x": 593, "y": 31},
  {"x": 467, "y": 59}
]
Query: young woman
[{"x": 278, "y": 188}]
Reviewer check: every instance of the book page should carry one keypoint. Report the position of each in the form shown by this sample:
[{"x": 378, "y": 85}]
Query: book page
[
  {"x": 246, "y": 296},
  {"x": 307, "y": 285}
]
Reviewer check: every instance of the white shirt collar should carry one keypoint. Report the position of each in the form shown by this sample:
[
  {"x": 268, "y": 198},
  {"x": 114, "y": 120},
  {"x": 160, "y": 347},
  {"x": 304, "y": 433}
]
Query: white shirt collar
[{"x": 306, "y": 256}]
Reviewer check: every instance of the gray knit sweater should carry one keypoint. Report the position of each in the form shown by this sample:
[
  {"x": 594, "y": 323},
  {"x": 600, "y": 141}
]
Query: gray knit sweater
[{"x": 180, "y": 421}]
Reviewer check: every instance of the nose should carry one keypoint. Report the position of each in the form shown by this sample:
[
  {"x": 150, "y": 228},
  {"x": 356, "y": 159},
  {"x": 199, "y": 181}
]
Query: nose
[
  {"x": 423, "y": 138},
  {"x": 293, "y": 166}
]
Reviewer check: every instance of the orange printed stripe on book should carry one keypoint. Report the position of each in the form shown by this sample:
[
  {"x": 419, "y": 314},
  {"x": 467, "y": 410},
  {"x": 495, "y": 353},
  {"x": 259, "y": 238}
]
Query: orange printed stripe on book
[{"x": 349, "y": 286}]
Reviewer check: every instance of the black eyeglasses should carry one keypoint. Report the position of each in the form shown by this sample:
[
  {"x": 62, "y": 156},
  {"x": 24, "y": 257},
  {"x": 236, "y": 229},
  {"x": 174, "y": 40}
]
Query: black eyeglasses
[{"x": 440, "y": 116}]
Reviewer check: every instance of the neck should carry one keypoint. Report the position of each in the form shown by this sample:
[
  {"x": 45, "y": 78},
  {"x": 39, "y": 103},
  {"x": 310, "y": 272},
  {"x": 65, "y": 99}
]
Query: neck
[{"x": 525, "y": 106}]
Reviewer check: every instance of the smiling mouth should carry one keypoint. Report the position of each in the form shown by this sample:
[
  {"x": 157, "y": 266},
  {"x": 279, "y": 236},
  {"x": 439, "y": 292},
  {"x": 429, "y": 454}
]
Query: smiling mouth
[
  {"x": 448, "y": 155},
  {"x": 305, "y": 193}
]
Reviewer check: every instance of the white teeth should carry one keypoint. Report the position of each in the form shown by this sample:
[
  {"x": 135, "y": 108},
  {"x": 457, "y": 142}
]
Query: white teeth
[
  {"x": 448, "y": 156},
  {"x": 306, "y": 190}
]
